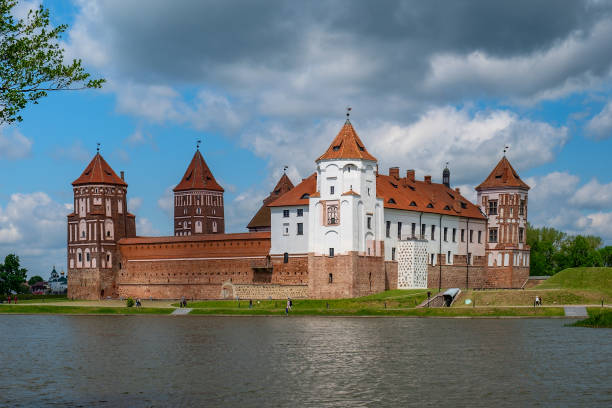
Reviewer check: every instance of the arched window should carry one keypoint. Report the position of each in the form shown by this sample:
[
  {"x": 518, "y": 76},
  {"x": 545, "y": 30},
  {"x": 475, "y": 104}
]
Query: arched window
[
  {"x": 82, "y": 229},
  {"x": 109, "y": 231},
  {"x": 198, "y": 226},
  {"x": 214, "y": 226}
]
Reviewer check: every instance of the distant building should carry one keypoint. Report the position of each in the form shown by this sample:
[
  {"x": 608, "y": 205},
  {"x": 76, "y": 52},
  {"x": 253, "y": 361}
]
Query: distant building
[{"x": 58, "y": 283}]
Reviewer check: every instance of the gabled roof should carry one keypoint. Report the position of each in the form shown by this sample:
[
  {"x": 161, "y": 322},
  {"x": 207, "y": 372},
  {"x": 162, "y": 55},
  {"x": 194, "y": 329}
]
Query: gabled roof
[
  {"x": 198, "y": 176},
  {"x": 404, "y": 194},
  {"x": 347, "y": 145},
  {"x": 502, "y": 176},
  {"x": 299, "y": 194},
  {"x": 98, "y": 171},
  {"x": 262, "y": 217}
]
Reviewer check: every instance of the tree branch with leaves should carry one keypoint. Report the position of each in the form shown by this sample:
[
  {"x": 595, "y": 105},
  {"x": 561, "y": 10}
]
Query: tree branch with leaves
[{"x": 32, "y": 61}]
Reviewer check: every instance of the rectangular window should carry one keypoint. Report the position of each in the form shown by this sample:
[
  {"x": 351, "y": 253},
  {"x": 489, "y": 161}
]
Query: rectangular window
[
  {"x": 285, "y": 213},
  {"x": 285, "y": 257},
  {"x": 492, "y": 235},
  {"x": 433, "y": 232},
  {"x": 492, "y": 207},
  {"x": 448, "y": 258},
  {"x": 300, "y": 212},
  {"x": 469, "y": 258},
  {"x": 393, "y": 254},
  {"x": 462, "y": 235},
  {"x": 522, "y": 208},
  {"x": 479, "y": 237},
  {"x": 521, "y": 235},
  {"x": 471, "y": 236},
  {"x": 331, "y": 190},
  {"x": 454, "y": 234},
  {"x": 369, "y": 222},
  {"x": 432, "y": 258},
  {"x": 331, "y": 252},
  {"x": 413, "y": 229},
  {"x": 399, "y": 230},
  {"x": 445, "y": 234},
  {"x": 388, "y": 230},
  {"x": 286, "y": 229},
  {"x": 300, "y": 228},
  {"x": 423, "y": 227}
]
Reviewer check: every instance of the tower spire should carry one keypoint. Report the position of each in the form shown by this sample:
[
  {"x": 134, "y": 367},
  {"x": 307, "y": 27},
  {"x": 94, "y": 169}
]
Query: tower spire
[
  {"x": 98, "y": 147},
  {"x": 198, "y": 142},
  {"x": 348, "y": 113}
]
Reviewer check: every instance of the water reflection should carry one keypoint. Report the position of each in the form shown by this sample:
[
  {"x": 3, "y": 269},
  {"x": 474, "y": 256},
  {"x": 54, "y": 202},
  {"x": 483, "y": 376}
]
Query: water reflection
[{"x": 301, "y": 361}]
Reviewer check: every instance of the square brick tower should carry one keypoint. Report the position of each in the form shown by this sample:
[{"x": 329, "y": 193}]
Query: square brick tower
[
  {"x": 503, "y": 198},
  {"x": 198, "y": 201},
  {"x": 100, "y": 219}
]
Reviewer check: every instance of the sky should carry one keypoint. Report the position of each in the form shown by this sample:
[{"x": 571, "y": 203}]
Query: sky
[{"x": 266, "y": 84}]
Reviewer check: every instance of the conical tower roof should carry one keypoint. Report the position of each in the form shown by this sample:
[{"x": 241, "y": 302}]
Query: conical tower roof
[
  {"x": 198, "y": 176},
  {"x": 347, "y": 145},
  {"x": 261, "y": 218},
  {"x": 98, "y": 171},
  {"x": 502, "y": 176}
]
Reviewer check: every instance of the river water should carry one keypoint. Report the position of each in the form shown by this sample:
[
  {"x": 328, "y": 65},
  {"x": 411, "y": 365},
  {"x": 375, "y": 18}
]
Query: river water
[{"x": 139, "y": 361}]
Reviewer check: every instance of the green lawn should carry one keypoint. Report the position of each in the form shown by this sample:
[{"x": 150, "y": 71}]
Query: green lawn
[
  {"x": 392, "y": 298},
  {"x": 421, "y": 312},
  {"x": 40, "y": 309},
  {"x": 594, "y": 279}
]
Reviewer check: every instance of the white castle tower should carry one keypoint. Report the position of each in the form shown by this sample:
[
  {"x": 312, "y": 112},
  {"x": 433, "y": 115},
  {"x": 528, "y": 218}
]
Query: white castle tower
[{"x": 344, "y": 214}]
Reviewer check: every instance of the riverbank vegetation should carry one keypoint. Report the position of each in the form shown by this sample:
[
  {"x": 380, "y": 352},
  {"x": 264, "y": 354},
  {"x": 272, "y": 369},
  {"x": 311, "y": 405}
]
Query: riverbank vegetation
[{"x": 596, "y": 319}]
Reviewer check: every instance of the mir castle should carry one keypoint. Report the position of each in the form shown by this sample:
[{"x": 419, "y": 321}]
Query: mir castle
[{"x": 346, "y": 230}]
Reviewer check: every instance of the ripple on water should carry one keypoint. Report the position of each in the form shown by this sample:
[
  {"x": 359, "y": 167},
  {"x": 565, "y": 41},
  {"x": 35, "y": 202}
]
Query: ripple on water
[{"x": 309, "y": 361}]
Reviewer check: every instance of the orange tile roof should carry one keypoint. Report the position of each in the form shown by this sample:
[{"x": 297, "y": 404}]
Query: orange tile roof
[
  {"x": 503, "y": 176},
  {"x": 347, "y": 145},
  {"x": 351, "y": 192},
  {"x": 262, "y": 216},
  {"x": 403, "y": 194},
  {"x": 195, "y": 238},
  {"x": 406, "y": 195},
  {"x": 98, "y": 171},
  {"x": 198, "y": 176},
  {"x": 296, "y": 195}
]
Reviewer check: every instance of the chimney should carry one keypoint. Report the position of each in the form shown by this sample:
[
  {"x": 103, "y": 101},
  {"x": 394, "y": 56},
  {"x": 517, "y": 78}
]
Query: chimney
[
  {"x": 458, "y": 190},
  {"x": 122, "y": 175},
  {"x": 428, "y": 179},
  {"x": 410, "y": 175},
  {"x": 394, "y": 172}
]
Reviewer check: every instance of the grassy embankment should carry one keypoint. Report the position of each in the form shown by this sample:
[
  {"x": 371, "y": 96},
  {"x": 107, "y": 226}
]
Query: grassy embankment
[
  {"x": 389, "y": 303},
  {"x": 574, "y": 286}
]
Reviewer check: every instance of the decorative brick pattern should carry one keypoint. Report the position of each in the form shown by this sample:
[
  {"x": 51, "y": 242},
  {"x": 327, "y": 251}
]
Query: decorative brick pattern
[{"x": 412, "y": 264}]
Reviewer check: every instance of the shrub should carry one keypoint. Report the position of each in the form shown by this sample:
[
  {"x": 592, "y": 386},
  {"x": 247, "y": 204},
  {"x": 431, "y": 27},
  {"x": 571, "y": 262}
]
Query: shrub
[{"x": 129, "y": 302}]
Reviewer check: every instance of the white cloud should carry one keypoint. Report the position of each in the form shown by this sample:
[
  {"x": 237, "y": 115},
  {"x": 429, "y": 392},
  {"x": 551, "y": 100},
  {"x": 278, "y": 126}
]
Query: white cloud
[
  {"x": 166, "y": 202},
  {"x": 13, "y": 144},
  {"x": 34, "y": 227},
  {"x": 134, "y": 204},
  {"x": 457, "y": 136},
  {"x": 600, "y": 126},
  {"x": 593, "y": 195},
  {"x": 240, "y": 210},
  {"x": 144, "y": 227}
]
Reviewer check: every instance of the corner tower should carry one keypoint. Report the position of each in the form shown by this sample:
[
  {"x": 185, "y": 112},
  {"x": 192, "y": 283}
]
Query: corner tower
[
  {"x": 99, "y": 220},
  {"x": 198, "y": 201},
  {"x": 503, "y": 198}
]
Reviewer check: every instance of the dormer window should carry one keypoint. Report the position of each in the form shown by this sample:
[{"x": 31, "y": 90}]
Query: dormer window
[
  {"x": 305, "y": 196},
  {"x": 430, "y": 205},
  {"x": 447, "y": 208},
  {"x": 336, "y": 148},
  {"x": 391, "y": 201},
  {"x": 412, "y": 204}
]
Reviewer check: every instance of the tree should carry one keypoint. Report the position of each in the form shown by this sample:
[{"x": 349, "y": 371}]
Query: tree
[
  {"x": 35, "y": 279},
  {"x": 32, "y": 61},
  {"x": 606, "y": 256},
  {"x": 12, "y": 276},
  {"x": 578, "y": 251}
]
